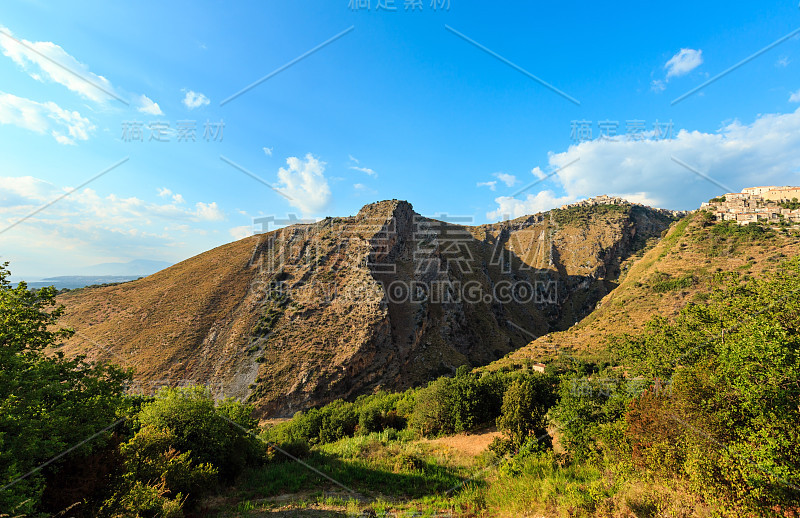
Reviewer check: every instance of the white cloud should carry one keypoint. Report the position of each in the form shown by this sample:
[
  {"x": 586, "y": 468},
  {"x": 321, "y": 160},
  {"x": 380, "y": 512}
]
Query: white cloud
[
  {"x": 164, "y": 192},
  {"x": 146, "y": 105},
  {"x": 363, "y": 189},
  {"x": 783, "y": 62},
  {"x": 63, "y": 125},
  {"x": 69, "y": 72},
  {"x": 510, "y": 208},
  {"x": 177, "y": 198},
  {"x": 366, "y": 170},
  {"x": 194, "y": 99},
  {"x": 305, "y": 183},
  {"x": 207, "y": 211},
  {"x": 658, "y": 86},
  {"x": 242, "y": 232},
  {"x": 795, "y": 97},
  {"x": 683, "y": 62},
  {"x": 538, "y": 173},
  {"x": 509, "y": 179},
  {"x": 267, "y": 151},
  {"x": 765, "y": 152},
  {"x": 85, "y": 226}
]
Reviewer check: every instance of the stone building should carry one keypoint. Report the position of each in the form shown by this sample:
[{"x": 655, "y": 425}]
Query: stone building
[{"x": 755, "y": 204}]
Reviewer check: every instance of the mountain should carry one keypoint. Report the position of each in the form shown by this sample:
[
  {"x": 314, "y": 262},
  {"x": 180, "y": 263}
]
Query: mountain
[
  {"x": 80, "y": 281},
  {"x": 679, "y": 269},
  {"x": 135, "y": 268},
  {"x": 104, "y": 273},
  {"x": 384, "y": 299}
]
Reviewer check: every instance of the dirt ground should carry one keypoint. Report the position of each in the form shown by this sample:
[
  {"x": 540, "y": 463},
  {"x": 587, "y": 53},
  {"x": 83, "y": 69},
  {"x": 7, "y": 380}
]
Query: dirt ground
[{"x": 471, "y": 444}]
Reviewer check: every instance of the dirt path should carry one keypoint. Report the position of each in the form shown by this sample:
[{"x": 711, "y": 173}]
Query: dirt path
[{"x": 472, "y": 444}]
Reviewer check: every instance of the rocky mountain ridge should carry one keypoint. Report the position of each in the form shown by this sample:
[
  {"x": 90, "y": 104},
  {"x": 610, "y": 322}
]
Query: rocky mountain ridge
[{"x": 383, "y": 299}]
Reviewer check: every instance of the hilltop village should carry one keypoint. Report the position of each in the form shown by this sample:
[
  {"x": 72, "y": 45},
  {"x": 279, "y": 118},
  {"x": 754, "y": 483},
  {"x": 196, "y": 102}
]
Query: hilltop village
[{"x": 770, "y": 204}]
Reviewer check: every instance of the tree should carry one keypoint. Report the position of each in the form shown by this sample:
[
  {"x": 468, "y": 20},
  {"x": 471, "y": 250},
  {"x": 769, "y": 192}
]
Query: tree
[
  {"x": 523, "y": 414},
  {"x": 48, "y": 403}
]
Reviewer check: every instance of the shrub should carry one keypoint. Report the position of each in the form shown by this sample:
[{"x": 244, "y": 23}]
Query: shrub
[
  {"x": 218, "y": 435},
  {"x": 337, "y": 420},
  {"x": 525, "y": 405},
  {"x": 157, "y": 479},
  {"x": 584, "y": 407},
  {"x": 661, "y": 282},
  {"x": 452, "y": 405},
  {"x": 146, "y": 500},
  {"x": 432, "y": 414},
  {"x": 378, "y": 412}
]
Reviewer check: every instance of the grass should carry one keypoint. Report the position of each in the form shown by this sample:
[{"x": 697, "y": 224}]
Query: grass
[
  {"x": 542, "y": 485},
  {"x": 367, "y": 464},
  {"x": 401, "y": 477}
]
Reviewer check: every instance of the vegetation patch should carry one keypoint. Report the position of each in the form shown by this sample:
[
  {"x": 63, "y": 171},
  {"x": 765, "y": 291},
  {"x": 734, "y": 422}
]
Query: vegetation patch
[
  {"x": 582, "y": 215},
  {"x": 663, "y": 282}
]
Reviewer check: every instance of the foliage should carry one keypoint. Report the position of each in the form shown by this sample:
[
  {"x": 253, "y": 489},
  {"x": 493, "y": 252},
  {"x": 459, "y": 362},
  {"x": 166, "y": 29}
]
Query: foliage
[
  {"x": 586, "y": 411},
  {"x": 48, "y": 403},
  {"x": 217, "y": 434},
  {"x": 750, "y": 232},
  {"x": 525, "y": 405},
  {"x": 792, "y": 205},
  {"x": 378, "y": 412},
  {"x": 157, "y": 479},
  {"x": 452, "y": 405},
  {"x": 663, "y": 282},
  {"x": 729, "y": 422}
]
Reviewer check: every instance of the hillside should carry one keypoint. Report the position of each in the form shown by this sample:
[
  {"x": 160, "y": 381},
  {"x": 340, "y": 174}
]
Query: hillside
[
  {"x": 676, "y": 270},
  {"x": 384, "y": 299}
]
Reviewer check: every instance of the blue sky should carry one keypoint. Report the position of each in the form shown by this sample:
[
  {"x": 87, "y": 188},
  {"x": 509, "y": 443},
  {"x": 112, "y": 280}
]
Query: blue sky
[{"x": 421, "y": 104}]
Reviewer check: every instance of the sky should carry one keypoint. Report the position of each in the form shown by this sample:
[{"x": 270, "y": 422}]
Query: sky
[{"x": 158, "y": 130}]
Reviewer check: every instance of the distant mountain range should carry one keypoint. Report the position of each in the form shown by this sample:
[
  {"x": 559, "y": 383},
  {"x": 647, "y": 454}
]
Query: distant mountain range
[
  {"x": 137, "y": 268},
  {"x": 104, "y": 273}
]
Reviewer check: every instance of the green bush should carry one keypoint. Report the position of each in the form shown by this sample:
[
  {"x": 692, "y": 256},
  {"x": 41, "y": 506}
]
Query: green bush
[
  {"x": 728, "y": 424},
  {"x": 751, "y": 231},
  {"x": 453, "y": 405},
  {"x": 216, "y": 434},
  {"x": 337, "y": 420},
  {"x": 377, "y": 412},
  {"x": 156, "y": 477},
  {"x": 662, "y": 282},
  {"x": 793, "y": 205},
  {"x": 585, "y": 406},
  {"x": 144, "y": 499},
  {"x": 524, "y": 409}
]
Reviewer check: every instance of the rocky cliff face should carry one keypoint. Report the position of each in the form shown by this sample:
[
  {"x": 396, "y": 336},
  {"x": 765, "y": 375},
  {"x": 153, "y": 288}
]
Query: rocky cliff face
[{"x": 384, "y": 299}]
